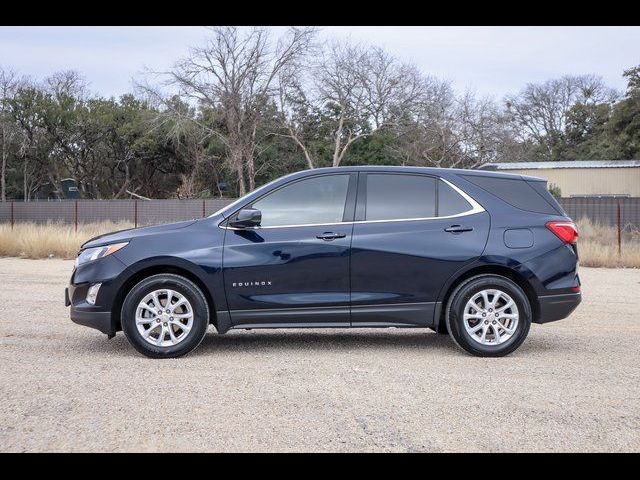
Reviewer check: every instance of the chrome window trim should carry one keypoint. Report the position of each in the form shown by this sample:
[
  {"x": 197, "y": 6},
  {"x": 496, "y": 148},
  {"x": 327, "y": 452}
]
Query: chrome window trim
[{"x": 475, "y": 208}]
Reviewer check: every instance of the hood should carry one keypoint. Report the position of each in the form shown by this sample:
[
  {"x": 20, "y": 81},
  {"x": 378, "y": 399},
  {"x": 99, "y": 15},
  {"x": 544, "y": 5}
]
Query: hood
[{"x": 128, "y": 234}]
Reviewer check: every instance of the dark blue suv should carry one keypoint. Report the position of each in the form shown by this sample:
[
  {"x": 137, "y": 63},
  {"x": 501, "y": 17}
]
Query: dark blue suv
[{"x": 476, "y": 254}]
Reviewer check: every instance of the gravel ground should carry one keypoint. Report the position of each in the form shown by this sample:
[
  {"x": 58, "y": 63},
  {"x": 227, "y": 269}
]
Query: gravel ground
[{"x": 574, "y": 385}]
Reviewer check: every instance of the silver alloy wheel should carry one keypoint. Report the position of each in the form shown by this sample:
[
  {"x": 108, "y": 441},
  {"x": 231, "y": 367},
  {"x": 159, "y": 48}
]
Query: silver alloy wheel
[
  {"x": 164, "y": 318},
  {"x": 491, "y": 317}
]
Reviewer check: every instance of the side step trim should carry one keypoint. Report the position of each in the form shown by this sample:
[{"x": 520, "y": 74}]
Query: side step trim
[{"x": 419, "y": 314}]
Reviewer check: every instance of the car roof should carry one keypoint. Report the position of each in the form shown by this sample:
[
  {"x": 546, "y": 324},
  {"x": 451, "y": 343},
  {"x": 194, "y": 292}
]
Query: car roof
[{"x": 423, "y": 170}]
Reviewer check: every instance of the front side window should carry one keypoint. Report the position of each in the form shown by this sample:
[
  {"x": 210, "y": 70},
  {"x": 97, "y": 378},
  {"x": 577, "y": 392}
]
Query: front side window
[
  {"x": 309, "y": 201},
  {"x": 399, "y": 196}
]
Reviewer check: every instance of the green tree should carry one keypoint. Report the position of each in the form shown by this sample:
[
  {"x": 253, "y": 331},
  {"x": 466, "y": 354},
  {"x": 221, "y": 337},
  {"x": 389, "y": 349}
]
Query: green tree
[
  {"x": 604, "y": 131},
  {"x": 623, "y": 128}
]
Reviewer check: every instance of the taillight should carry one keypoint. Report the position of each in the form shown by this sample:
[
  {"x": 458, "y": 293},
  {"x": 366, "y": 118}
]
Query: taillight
[{"x": 565, "y": 231}]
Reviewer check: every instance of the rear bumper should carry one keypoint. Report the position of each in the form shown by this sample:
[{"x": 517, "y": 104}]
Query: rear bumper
[{"x": 557, "y": 307}]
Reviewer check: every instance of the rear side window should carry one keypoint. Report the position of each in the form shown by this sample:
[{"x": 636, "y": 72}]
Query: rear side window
[
  {"x": 515, "y": 192},
  {"x": 398, "y": 196}
]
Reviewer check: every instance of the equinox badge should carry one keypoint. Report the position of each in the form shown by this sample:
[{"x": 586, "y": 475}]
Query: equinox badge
[{"x": 252, "y": 284}]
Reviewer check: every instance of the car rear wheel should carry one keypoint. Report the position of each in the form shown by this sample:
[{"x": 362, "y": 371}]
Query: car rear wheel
[
  {"x": 488, "y": 316},
  {"x": 165, "y": 316}
]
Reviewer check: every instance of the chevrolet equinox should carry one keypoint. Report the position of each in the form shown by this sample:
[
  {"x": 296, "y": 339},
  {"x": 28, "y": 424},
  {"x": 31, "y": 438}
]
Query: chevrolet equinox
[{"x": 479, "y": 255}]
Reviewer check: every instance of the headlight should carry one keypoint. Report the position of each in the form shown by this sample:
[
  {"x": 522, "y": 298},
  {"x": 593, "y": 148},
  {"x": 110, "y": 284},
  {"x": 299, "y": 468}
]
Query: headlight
[{"x": 91, "y": 254}]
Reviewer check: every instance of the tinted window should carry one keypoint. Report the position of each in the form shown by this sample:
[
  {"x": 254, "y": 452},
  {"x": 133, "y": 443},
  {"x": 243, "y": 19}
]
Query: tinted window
[
  {"x": 515, "y": 192},
  {"x": 450, "y": 202},
  {"x": 314, "y": 200},
  {"x": 400, "y": 196},
  {"x": 541, "y": 188}
]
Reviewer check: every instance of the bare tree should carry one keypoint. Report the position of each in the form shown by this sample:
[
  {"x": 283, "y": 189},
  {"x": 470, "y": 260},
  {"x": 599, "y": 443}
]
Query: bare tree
[
  {"x": 368, "y": 90},
  {"x": 296, "y": 110},
  {"x": 357, "y": 90},
  {"x": 189, "y": 140},
  {"x": 65, "y": 94},
  {"x": 540, "y": 110},
  {"x": 32, "y": 144},
  {"x": 482, "y": 131},
  {"x": 66, "y": 84},
  {"x": 235, "y": 74},
  {"x": 428, "y": 138}
]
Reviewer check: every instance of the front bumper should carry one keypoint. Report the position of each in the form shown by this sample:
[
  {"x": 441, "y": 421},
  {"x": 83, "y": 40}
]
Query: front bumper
[
  {"x": 557, "y": 307},
  {"x": 110, "y": 272},
  {"x": 86, "y": 314},
  {"x": 98, "y": 320}
]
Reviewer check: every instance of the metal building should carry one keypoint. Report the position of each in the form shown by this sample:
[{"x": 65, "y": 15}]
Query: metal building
[{"x": 582, "y": 178}]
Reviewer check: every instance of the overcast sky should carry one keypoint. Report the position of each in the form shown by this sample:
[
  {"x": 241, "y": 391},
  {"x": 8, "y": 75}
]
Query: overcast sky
[{"x": 489, "y": 60}]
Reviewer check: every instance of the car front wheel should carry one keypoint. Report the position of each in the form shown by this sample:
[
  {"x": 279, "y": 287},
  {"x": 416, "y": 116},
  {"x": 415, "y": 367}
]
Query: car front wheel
[
  {"x": 488, "y": 316},
  {"x": 165, "y": 316}
]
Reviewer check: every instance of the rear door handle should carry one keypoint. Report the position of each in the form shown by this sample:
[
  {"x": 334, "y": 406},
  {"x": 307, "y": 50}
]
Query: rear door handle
[
  {"x": 458, "y": 229},
  {"x": 330, "y": 236}
]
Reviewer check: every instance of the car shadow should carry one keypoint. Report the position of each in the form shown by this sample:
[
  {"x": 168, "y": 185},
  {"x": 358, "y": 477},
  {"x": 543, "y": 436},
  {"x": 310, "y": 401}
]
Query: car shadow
[
  {"x": 288, "y": 340},
  {"x": 261, "y": 341},
  {"x": 298, "y": 340},
  {"x": 257, "y": 341}
]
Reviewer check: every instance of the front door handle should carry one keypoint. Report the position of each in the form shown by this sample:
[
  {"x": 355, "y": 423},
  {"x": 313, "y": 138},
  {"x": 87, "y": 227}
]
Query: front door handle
[
  {"x": 458, "y": 229},
  {"x": 330, "y": 236}
]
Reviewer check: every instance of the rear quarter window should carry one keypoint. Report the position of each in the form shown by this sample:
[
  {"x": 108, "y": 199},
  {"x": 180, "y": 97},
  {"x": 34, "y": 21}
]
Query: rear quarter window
[
  {"x": 517, "y": 193},
  {"x": 450, "y": 202},
  {"x": 541, "y": 188}
]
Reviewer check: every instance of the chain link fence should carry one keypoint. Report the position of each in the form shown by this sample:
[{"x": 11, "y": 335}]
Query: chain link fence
[{"x": 602, "y": 210}]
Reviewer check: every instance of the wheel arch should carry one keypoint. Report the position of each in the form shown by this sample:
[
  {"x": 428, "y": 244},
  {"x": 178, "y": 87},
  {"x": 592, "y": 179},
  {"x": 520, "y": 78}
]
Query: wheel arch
[
  {"x": 495, "y": 269},
  {"x": 148, "y": 271}
]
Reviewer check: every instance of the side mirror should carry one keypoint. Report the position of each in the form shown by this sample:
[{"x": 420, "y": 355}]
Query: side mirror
[{"x": 246, "y": 218}]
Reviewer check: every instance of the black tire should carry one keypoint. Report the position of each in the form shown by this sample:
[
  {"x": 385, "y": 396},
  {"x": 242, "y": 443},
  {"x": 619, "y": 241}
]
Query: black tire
[
  {"x": 455, "y": 311},
  {"x": 181, "y": 285}
]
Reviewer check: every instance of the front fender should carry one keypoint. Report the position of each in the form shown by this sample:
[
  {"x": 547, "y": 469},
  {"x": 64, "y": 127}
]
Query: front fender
[{"x": 208, "y": 275}]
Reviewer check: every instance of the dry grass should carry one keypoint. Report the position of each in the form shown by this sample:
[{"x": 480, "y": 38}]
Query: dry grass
[
  {"x": 52, "y": 240},
  {"x": 597, "y": 246}
]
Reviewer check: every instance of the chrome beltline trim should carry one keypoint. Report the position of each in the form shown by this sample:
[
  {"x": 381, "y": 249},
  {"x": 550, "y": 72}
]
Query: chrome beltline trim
[{"x": 475, "y": 208}]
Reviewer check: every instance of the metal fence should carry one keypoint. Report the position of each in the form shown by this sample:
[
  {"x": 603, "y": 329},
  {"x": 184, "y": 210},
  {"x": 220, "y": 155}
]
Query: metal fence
[
  {"x": 623, "y": 212},
  {"x": 136, "y": 212},
  {"x": 603, "y": 210}
]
